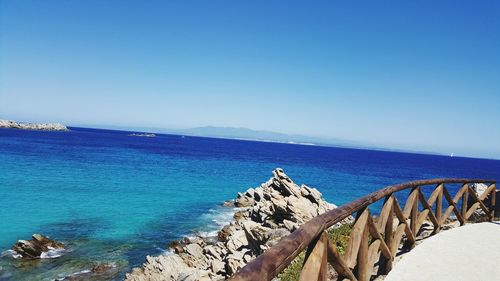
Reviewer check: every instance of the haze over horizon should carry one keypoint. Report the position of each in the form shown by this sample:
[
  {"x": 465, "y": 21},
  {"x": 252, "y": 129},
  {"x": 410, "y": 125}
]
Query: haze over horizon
[{"x": 412, "y": 76}]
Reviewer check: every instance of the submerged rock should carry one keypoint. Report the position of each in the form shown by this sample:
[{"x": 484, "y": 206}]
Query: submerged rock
[
  {"x": 268, "y": 213},
  {"x": 103, "y": 268},
  {"x": 100, "y": 271},
  {"x": 38, "y": 247},
  {"x": 228, "y": 203}
]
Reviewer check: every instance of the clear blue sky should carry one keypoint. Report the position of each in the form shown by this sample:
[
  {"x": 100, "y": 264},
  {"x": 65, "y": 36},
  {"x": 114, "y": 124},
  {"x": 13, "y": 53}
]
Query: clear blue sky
[{"x": 420, "y": 75}]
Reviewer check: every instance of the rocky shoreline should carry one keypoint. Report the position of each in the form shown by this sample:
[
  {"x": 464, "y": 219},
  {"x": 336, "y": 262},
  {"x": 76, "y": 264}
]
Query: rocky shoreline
[
  {"x": 9, "y": 124},
  {"x": 268, "y": 213}
]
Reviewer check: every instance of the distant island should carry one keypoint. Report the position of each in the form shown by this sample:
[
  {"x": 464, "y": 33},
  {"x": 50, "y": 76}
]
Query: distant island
[
  {"x": 9, "y": 124},
  {"x": 147, "y": 135},
  {"x": 249, "y": 134},
  {"x": 238, "y": 133}
]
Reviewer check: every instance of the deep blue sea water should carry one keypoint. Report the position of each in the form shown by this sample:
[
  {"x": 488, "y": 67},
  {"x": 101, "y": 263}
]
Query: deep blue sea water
[{"x": 116, "y": 198}]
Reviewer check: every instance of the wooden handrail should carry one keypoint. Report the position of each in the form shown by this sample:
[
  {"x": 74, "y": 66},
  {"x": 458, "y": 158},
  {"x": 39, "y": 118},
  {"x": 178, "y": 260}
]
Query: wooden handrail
[{"x": 385, "y": 239}]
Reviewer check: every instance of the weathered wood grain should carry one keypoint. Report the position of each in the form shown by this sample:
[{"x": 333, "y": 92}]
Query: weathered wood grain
[{"x": 314, "y": 260}]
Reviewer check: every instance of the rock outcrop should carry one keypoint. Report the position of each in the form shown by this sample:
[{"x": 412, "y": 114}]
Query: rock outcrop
[
  {"x": 38, "y": 247},
  {"x": 480, "y": 188},
  {"x": 32, "y": 126},
  {"x": 268, "y": 213}
]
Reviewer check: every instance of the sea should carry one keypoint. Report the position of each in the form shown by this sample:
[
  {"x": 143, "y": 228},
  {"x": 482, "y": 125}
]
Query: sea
[{"x": 113, "y": 198}]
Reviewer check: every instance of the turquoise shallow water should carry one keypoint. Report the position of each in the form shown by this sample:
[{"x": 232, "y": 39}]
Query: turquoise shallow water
[{"x": 116, "y": 198}]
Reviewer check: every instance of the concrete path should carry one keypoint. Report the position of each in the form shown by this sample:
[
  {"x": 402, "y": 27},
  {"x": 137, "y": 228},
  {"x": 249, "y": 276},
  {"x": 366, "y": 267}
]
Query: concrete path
[{"x": 469, "y": 252}]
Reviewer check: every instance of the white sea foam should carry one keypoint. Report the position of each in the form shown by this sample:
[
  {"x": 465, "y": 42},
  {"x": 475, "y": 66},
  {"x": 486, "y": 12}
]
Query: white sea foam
[
  {"x": 207, "y": 233},
  {"x": 165, "y": 252},
  {"x": 85, "y": 271},
  {"x": 223, "y": 216},
  {"x": 52, "y": 253},
  {"x": 214, "y": 220},
  {"x": 11, "y": 253}
]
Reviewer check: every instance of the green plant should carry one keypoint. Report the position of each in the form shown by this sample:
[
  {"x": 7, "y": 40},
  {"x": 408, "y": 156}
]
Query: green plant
[
  {"x": 339, "y": 236},
  {"x": 292, "y": 272}
]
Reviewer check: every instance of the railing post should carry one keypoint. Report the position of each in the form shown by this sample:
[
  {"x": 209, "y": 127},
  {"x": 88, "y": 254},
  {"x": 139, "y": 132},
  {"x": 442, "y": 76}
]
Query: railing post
[
  {"x": 362, "y": 264},
  {"x": 389, "y": 240},
  {"x": 439, "y": 207},
  {"x": 414, "y": 215},
  {"x": 465, "y": 199},
  {"x": 386, "y": 263},
  {"x": 323, "y": 271},
  {"x": 315, "y": 264},
  {"x": 493, "y": 203},
  {"x": 356, "y": 237}
]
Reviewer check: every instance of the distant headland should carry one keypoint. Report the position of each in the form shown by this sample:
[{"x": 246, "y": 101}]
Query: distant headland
[{"x": 9, "y": 124}]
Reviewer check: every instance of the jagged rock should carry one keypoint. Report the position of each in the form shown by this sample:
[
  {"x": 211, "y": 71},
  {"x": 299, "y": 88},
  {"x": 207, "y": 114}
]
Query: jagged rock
[
  {"x": 221, "y": 248},
  {"x": 311, "y": 193},
  {"x": 269, "y": 222},
  {"x": 243, "y": 200},
  {"x": 269, "y": 212},
  {"x": 228, "y": 203},
  {"x": 250, "y": 193},
  {"x": 284, "y": 184},
  {"x": 194, "y": 276},
  {"x": 224, "y": 233},
  {"x": 217, "y": 266},
  {"x": 166, "y": 268},
  {"x": 258, "y": 195},
  {"x": 177, "y": 246},
  {"x": 200, "y": 240},
  {"x": 290, "y": 225},
  {"x": 274, "y": 235},
  {"x": 301, "y": 209},
  {"x": 213, "y": 251},
  {"x": 193, "y": 256},
  {"x": 247, "y": 258},
  {"x": 234, "y": 262},
  {"x": 256, "y": 235},
  {"x": 304, "y": 192},
  {"x": 236, "y": 241},
  {"x": 48, "y": 243},
  {"x": 36, "y": 247},
  {"x": 238, "y": 215}
]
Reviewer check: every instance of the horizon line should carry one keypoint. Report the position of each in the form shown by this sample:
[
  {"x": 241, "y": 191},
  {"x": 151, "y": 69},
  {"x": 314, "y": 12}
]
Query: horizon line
[{"x": 329, "y": 145}]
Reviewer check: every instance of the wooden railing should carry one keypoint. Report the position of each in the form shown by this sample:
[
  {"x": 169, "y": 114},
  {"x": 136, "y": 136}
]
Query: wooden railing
[{"x": 373, "y": 242}]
